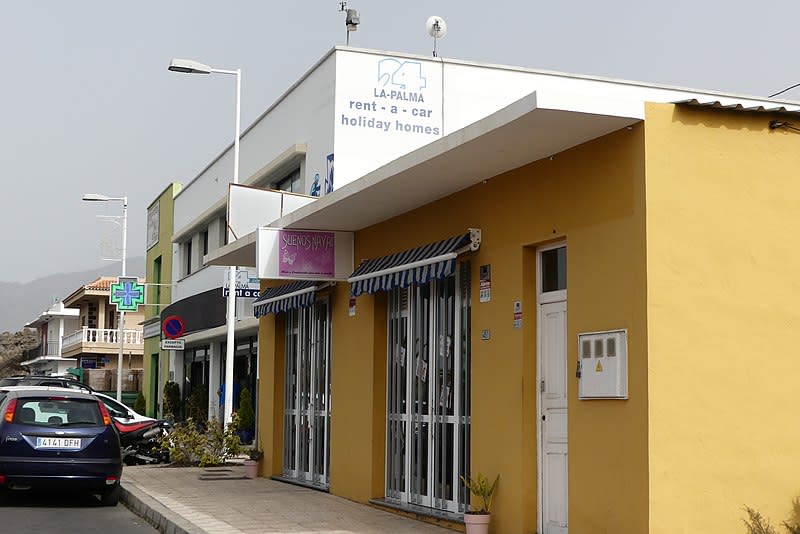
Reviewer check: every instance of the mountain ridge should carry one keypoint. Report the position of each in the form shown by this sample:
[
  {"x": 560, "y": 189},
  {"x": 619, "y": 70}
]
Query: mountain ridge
[{"x": 24, "y": 302}]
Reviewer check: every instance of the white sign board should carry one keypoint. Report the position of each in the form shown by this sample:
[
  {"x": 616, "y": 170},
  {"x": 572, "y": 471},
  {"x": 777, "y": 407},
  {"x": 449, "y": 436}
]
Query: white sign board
[
  {"x": 172, "y": 344},
  {"x": 284, "y": 254},
  {"x": 153, "y": 220},
  {"x": 251, "y": 207},
  {"x": 246, "y": 286},
  {"x": 385, "y": 107}
]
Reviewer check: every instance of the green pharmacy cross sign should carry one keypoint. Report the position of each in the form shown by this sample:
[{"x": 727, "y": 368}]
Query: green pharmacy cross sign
[{"x": 127, "y": 294}]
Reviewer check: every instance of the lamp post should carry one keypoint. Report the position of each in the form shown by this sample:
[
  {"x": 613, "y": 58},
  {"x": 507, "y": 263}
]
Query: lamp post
[
  {"x": 189, "y": 66},
  {"x": 94, "y": 197}
]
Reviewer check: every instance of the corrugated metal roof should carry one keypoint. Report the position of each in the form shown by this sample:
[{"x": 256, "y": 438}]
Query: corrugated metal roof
[{"x": 716, "y": 104}]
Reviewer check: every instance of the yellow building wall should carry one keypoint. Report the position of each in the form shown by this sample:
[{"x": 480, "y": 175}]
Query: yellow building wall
[
  {"x": 358, "y": 370},
  {"x": 591, "y": 196},
  {"x": 269, "y": 426},
  {"x": 723, "y": 216}
]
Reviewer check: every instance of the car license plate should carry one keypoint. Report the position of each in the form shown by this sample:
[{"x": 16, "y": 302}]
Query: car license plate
[{"x": 58, "y": 443}]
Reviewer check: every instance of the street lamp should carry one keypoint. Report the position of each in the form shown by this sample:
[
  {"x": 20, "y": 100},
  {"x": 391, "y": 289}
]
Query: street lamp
[
  {"x": 94, "y": 197},
  {"x": 189, "y": 66}
]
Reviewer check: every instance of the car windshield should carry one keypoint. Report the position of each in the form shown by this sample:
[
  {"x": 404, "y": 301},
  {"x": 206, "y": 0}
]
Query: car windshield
[
  {"x": 58, "y": 412},
  {"x": 115, "y": 409},
  {"x": 9, "y": 381}
]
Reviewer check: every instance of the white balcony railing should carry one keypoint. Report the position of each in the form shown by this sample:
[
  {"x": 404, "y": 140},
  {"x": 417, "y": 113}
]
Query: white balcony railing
[{"x": 102, "y": 335}]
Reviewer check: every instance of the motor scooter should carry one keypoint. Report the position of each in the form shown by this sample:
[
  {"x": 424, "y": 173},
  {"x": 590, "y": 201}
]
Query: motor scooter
[{"x": 140, "y": 441}]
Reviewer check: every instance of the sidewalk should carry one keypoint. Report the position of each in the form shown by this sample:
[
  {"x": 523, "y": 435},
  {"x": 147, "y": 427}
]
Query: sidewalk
[{"x": 220, "y": 500}]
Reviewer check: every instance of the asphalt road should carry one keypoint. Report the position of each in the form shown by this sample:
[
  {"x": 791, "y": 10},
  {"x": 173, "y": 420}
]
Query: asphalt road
[{"x": 32, "y": 513}]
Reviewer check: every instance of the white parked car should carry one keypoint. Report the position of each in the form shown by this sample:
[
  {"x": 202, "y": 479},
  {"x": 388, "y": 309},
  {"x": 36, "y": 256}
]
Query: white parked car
[{"x": 117, "y": 410}]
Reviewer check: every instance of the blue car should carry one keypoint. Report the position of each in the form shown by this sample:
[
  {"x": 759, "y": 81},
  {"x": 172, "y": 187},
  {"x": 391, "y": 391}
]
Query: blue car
[{"x": 58, "y": 439}]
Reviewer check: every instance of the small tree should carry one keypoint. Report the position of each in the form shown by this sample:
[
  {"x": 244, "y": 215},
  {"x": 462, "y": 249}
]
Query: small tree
[
  {"x": 246, "y": 414},
  {"x": 172, "y": 400},
  {"x": 140, "y": 406}
]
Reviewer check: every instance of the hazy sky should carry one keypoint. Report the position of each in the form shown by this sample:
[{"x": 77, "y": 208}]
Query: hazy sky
[{"x": 87, "y": 104}]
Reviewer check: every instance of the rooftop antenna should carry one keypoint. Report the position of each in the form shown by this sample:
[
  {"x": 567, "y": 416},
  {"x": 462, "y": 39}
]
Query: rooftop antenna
[
  {"x": 352, "y": 19},
  {"x": 436, "y": 29}
]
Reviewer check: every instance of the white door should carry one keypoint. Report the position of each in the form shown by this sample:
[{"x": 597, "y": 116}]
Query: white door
[{"x": 553, "y": 414}]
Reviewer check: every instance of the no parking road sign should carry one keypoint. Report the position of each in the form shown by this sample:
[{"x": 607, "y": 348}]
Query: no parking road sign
[{"x": 173, "y": 327}]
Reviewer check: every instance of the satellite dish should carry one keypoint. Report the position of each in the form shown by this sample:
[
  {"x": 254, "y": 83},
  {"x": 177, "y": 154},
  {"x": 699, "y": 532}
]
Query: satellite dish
[{"x": 436, "y": 27}]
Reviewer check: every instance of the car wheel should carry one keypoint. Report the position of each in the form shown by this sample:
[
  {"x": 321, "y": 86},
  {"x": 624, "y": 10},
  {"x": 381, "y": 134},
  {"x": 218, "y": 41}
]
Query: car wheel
[{"x": 111, "y": 497}]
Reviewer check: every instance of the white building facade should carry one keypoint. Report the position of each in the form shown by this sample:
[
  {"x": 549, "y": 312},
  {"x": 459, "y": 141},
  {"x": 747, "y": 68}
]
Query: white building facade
[{"x": 51, "y": 326}]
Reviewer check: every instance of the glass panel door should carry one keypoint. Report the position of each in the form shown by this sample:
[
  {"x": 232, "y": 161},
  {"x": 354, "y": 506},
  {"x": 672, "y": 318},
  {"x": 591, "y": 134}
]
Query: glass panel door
[
  {"x": 443, "y": 408},
  {"x": 320, "y": 406},
  {"x": 290, "y": 411},
  {"x": 428, "y": 393},
  {"x": 420, "y": 395},
  {"x": 307, "y": 396},
  {"x": 397, "y": 416}
]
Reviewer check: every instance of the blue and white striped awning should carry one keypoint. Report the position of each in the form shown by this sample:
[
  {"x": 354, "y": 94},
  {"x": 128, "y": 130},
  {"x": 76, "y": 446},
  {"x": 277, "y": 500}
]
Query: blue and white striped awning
[
  {"x": 414, "y": 266},
  {"x": 297, "y": 294}
]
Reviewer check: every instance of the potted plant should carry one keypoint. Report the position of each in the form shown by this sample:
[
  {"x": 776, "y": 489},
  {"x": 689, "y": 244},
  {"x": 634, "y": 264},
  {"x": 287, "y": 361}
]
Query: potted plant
[
  {"x": 251, "y": 464},
  {"x": 477, "y": 519}
]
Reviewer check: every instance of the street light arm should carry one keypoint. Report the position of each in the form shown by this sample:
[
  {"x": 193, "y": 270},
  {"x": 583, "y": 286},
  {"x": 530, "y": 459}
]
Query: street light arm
[{"x": 224, "y": 71}]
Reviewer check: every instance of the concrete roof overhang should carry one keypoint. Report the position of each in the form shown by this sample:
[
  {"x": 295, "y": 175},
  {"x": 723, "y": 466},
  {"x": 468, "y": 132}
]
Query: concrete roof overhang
[
  {"x": 49, "y": 315},
  {"x": 516, "y": 135}
]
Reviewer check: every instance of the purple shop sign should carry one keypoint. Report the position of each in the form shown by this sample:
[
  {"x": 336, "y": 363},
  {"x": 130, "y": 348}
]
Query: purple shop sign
[{"x": 306, "y": 254}]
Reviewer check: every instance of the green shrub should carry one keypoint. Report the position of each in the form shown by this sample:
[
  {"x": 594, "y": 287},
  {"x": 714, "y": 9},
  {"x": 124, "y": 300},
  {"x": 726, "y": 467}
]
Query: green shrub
[
  {"x": 140, "y": 406},
  {"x": 246, "y": 414},
  {"x": 172, "y": 400},
  {"x": 204, "y": 445},
  {"x": 197, "y": 404},
  {"x": 184, "y": 443}
]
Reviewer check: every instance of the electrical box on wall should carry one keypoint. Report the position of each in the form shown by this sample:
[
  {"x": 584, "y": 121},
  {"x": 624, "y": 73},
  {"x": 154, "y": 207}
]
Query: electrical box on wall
[{"x": 603, "y": 365}]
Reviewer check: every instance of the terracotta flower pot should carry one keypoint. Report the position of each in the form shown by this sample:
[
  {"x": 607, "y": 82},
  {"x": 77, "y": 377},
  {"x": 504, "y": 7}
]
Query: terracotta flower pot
[
  {"x": 477, "y": 523},
  {"x": 250, "y": 469}
]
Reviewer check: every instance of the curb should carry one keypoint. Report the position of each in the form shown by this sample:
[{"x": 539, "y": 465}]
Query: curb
[{"x": 155, "y": 513}]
